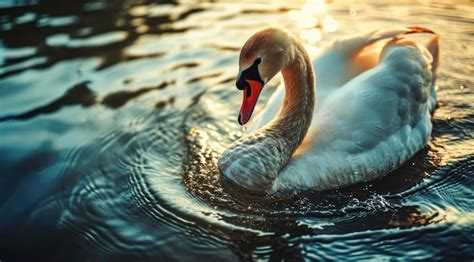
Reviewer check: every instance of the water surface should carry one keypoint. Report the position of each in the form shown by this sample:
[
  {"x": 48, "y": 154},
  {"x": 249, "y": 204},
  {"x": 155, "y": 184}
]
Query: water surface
[{"x": 113, "y": 114}]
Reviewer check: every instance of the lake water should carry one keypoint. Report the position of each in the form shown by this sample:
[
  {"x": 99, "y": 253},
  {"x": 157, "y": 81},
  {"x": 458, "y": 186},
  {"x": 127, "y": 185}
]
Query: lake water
[{"x": 113, "y": 113}]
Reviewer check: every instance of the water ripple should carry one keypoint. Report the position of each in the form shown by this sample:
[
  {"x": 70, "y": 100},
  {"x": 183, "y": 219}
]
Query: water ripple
[{"x": 129, "y": 145}]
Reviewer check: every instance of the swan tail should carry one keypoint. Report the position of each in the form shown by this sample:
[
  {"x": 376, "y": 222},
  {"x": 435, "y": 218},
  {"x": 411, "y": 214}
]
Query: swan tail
[
  {"x": 420, "y": 29},
  {"x": 432, "y": 45}
]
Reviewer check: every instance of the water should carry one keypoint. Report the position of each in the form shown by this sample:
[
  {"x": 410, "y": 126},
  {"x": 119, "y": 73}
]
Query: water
[{"x": 113, "y": 114}]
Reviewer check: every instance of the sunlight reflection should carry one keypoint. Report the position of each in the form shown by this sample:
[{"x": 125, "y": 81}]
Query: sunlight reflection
[
  {"x": 330, "y": 24},
  {"x": 313, "y": 18},
  {"x": 352, "y": 11},
  {"x": 138, "y": 11},
  {"x": 303, "y": 18},
  {"x": 312, "y": 36}
]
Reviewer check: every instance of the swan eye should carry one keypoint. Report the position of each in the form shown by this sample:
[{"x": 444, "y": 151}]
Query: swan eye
[{"x": 250, "y": 73}]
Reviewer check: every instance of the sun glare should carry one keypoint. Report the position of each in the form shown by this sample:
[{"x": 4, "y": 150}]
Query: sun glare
[{"x": 312, "y": 20}]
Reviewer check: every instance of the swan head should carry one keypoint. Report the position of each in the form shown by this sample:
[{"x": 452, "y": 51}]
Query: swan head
[{"x": 261, "y": 58}]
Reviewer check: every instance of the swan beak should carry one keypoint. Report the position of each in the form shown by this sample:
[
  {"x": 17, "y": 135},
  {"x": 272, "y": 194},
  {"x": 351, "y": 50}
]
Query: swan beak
[{"x": 250, "y": 97}]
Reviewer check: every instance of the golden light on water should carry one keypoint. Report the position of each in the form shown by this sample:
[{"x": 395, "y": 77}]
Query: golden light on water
[
  {"x": 330, "y": 24},
  {"x": 312, "y": 36},
  {"x": 303, "y": 19},
  {"x": 313, "y": 19}
]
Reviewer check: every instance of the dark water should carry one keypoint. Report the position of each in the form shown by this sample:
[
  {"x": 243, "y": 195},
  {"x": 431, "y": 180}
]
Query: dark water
[{"x": 112, "y": 114}]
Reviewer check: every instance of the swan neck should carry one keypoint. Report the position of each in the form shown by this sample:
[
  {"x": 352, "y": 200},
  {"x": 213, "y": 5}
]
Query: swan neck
[
  {"x": 254, "y": 161},
  {"x": 295, "y": 115}
]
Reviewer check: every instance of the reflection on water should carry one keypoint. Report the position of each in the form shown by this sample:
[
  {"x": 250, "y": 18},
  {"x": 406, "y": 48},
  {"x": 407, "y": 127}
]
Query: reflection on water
[{"x": 114, "y": 113}]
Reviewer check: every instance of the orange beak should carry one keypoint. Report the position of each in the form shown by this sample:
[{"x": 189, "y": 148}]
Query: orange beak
[{"x": 249, "y": 101}]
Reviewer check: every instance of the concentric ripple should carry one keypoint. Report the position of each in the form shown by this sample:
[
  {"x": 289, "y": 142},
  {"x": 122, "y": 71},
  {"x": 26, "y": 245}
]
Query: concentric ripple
[{"x": 114, "y": 114}]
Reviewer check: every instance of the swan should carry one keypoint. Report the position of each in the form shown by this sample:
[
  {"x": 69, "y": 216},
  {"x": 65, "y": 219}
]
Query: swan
[{"x": 359, "y": 111}]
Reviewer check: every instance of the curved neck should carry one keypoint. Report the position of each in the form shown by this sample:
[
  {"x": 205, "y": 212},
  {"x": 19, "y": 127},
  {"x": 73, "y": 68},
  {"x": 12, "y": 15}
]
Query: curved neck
[
  {"x": 294, "y": 118},
  {"x": 255, "y": 160}
]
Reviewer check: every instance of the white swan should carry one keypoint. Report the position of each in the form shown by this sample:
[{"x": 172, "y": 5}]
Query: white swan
[{"x": 368, "y": 112}]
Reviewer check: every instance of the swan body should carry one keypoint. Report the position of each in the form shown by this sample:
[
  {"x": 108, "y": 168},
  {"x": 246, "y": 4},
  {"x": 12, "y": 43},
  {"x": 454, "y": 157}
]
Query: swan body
[{"x": 367, "y": 110}]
